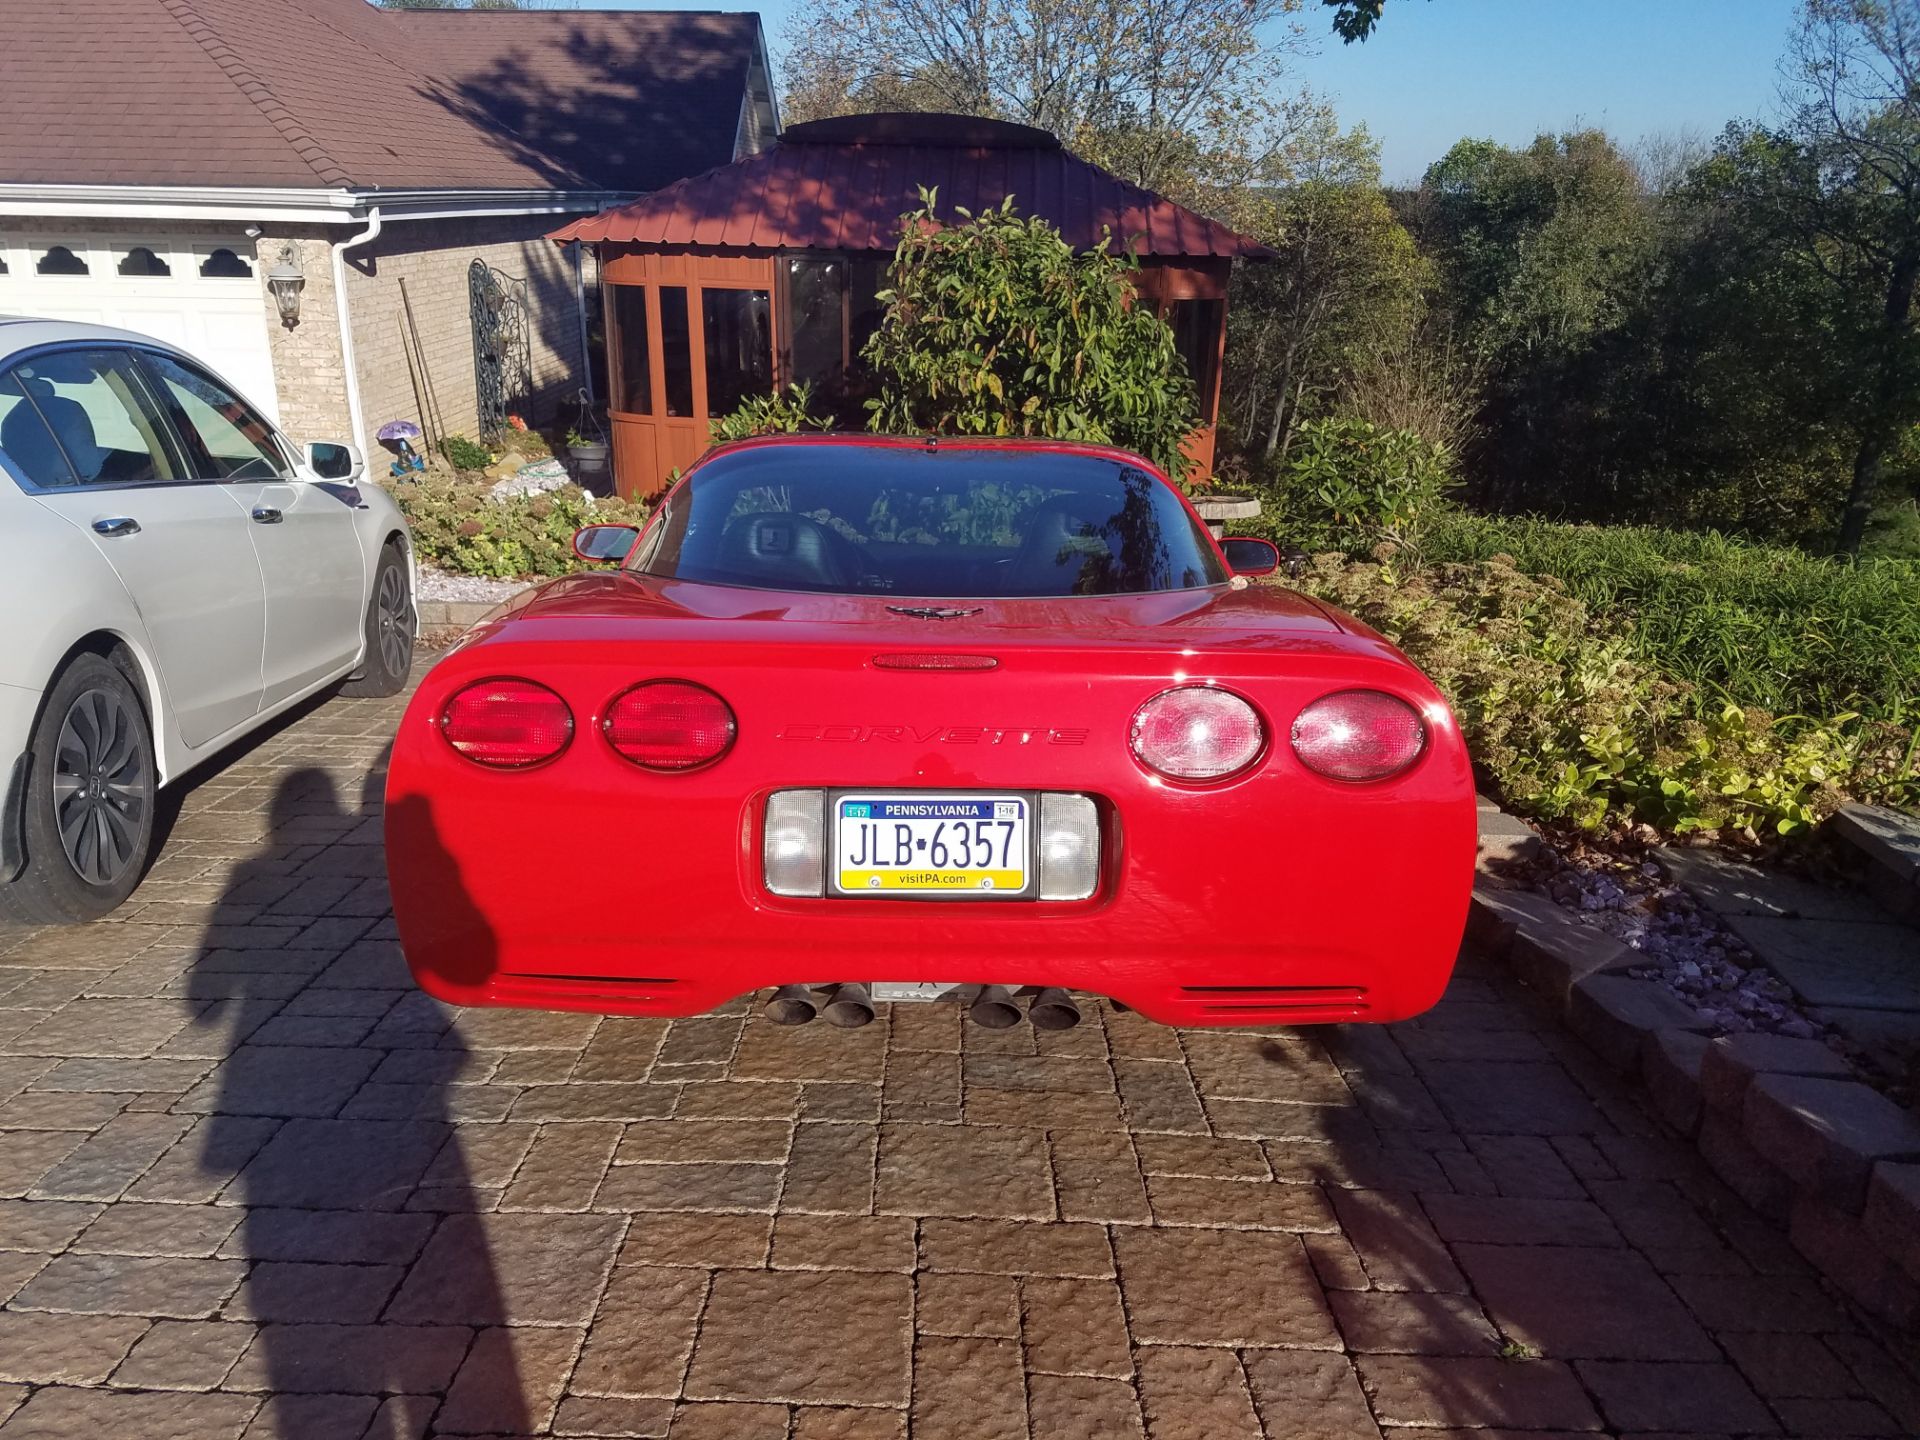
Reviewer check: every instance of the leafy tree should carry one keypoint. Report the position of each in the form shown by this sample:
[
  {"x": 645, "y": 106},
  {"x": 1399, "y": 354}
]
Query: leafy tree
[
  {"x": 1852, "y": 201},
  {"x": 994, "y": 326},
  {"x": 1345, "y": 276},
  {"x": 1175, "y": 95},
  {"x": 1543, "y": 254},
  {"x": 1355, "y": 19}
]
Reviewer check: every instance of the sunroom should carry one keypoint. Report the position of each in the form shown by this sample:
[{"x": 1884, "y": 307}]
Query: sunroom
[{"x": 762, "y": 273}]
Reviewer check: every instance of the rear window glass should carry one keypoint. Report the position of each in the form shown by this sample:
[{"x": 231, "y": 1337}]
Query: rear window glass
[{"x": 957, "y": 524}]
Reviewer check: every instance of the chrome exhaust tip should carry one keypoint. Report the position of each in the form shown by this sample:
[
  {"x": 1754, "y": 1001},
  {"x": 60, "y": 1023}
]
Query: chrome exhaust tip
[
  {"x": 849, "y": 1007},
  {"x": 1054, "y": 1009},
  {"x": 993, "y": 1008},
  {"x": 792, "y": 1005}
]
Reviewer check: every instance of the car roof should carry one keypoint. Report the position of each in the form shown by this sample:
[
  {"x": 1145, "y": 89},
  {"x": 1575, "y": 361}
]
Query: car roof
[{"x": 24, "y": 332}]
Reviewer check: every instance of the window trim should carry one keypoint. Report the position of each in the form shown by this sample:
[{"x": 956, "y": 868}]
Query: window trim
[{"x": 176, "y": 448}]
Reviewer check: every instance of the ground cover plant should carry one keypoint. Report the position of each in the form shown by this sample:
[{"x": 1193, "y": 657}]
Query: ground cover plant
[
  {"x": 459, "y": 527},
  {"x": 1617, "y": 675}
]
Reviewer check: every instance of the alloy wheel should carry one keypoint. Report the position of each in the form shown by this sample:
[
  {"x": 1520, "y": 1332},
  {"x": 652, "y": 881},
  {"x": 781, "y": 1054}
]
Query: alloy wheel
[
  {"x": 394, "y": 621},
  {"x": 101, "y": 786}
]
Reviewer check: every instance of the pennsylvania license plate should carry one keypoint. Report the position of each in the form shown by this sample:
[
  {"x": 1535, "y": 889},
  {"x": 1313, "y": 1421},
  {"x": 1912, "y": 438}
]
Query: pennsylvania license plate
[{"x": 927, "y": 844}]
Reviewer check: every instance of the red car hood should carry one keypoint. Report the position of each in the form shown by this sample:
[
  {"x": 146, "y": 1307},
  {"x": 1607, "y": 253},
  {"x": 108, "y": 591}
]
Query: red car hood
[{"x": 589, "y": 606}]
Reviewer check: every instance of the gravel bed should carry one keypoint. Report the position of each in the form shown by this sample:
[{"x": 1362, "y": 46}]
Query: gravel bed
[
  {"x": 1686, "y": 947},
  {"x": 439, "y": 585}
]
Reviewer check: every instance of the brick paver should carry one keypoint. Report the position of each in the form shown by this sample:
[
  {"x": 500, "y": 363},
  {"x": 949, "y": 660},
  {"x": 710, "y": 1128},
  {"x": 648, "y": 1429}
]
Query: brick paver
[{"x": 253, "y": 1184}]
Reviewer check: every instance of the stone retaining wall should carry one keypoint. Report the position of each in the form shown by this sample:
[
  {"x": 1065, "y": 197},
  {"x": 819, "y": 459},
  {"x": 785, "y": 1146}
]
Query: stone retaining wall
[{"x": 1782, "y": 1121}]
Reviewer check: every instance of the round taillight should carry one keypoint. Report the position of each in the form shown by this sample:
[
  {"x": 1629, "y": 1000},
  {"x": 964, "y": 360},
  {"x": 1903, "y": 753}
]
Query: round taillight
[
  {"x": 1359, "y": 735},
  {"x": 1197, "y": 733},
  {"x": 670, "y": 725},
  {"x": 508, "y": 724}
]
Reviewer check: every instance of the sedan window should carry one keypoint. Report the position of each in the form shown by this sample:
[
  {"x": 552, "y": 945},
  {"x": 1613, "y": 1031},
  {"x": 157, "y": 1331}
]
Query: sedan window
[
  {"x": 96, "y": 423},
  {"x": 226, "y": 438}
]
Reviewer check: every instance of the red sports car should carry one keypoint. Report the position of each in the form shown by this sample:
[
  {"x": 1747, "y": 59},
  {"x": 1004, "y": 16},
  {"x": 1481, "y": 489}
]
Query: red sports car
[{"x": 864, "y": 720}]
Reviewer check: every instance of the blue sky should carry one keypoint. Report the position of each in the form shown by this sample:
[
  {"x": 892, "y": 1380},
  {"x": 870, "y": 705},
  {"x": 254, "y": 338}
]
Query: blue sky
[{"x": 1439, "y": 70}]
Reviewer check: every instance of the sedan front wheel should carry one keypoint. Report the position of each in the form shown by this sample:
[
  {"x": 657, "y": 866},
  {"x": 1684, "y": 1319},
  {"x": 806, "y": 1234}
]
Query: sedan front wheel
[{"x": 87, "y": 820}]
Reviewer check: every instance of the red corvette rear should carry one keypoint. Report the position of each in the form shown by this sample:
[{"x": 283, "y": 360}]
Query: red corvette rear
[{"x": 871, "y": 720}]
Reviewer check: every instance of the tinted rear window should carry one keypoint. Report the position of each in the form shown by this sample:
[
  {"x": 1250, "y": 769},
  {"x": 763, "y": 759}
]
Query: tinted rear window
[{"x": 960, "y": 524}]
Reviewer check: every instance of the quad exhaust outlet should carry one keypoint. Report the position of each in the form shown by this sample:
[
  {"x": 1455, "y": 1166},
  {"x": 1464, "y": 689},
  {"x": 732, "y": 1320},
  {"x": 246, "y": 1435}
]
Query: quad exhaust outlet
[
  {"x": 849, "y": 1006},
  {"x": 1054, "y": 1009},
  {"x": 994, "y": 1009},
  {"x": 792, "y": 1005}
]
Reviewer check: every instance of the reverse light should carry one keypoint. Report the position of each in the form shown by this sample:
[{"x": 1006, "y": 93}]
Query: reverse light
[
  {"x": 1069, "y": 847},
  {"x": 1359, "y": 735},
  {"x": 670, "y": 725},
  {"x": 507, "y": 724},
  {"x": 1197, "y": 732},
  {"x": 794, "y": 849}
]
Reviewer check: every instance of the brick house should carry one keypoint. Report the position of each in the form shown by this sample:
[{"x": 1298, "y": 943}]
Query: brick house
[{"x": 160, "y": 160}]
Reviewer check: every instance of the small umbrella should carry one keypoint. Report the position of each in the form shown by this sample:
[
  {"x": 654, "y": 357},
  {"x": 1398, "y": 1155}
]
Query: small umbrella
[{"x": 401, "y": 434}]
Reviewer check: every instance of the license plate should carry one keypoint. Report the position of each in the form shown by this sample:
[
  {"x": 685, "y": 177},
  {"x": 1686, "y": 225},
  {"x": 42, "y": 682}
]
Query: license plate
[{"x": 931, "y": 845}]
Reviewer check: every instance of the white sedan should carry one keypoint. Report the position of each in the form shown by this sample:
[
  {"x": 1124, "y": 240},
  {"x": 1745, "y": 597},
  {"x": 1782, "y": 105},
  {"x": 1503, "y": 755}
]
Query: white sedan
[{"x": 173, "y": 573}]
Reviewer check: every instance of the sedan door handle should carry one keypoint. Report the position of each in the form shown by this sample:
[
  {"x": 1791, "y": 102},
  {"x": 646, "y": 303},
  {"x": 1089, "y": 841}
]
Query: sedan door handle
[
  {"x": 267, "y": 515},
  {"x": 118, "y": 525}
]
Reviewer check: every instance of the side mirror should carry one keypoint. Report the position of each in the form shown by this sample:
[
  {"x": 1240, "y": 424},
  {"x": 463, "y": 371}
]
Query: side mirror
[
  {"x": 330, "y": 460},
  {"x": 1247, "y": 556},
  {"x": 604, "y": 542}
]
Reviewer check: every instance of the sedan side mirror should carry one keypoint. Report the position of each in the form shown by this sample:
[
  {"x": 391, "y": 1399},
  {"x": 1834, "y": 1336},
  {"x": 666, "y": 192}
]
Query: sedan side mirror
[
  {"x": 604, "y": 542},
  {"x": 1247, "y": 556},
  {"x": 330, "y": 460}
]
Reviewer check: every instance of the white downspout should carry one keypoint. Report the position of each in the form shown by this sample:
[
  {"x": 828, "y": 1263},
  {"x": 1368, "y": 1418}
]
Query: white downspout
[
  {"x": 356, "y": 417},
  {"x": 580, "y": 304}
]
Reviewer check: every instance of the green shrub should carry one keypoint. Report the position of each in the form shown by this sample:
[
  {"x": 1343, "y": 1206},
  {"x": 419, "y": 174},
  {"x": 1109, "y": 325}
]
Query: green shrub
[
  {"x": 465, "y": 454},
  {"x": 1568, "y": 721},
  {"x": 994, "y": 326},
  {"x": 787, "y": 413},
  {"x": 1348, "y": 485},
  {"x": 459, "y": 528}
]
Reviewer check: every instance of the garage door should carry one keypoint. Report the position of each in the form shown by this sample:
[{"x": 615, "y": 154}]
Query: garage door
[{"x": 204, "y": 296}]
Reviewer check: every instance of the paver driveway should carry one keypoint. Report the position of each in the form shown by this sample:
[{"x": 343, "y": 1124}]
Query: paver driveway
[{"x": 263, "y": 1187}]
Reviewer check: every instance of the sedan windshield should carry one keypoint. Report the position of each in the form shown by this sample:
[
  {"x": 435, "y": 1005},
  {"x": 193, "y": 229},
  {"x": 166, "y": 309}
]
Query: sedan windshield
[{"x": 960, "y": 523}]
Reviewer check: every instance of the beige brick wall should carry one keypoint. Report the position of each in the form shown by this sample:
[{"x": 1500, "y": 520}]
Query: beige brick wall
[
  {"x": 432, "y": 258},
  {"x": 308, "y": 370}
]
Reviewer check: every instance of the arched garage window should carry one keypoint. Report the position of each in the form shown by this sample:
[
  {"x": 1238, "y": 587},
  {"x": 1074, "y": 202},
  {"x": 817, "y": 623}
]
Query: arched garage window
[
  {"x": 59, "y": 260},
  {"x": 142, "y": 261},
  {"x": 224, "y": 264}
]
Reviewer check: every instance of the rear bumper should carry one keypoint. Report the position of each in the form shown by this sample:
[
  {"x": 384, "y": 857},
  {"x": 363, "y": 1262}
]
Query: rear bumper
[{"x": 1282, "y": 899}]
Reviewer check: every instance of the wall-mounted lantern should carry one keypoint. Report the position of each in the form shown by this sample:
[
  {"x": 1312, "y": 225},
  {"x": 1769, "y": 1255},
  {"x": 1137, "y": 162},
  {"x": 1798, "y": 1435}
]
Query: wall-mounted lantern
[{"x": 285, "y": 282}]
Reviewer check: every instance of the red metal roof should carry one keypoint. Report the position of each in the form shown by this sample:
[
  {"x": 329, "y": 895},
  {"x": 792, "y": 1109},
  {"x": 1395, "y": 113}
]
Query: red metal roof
[{"x": 843, "y": 184}]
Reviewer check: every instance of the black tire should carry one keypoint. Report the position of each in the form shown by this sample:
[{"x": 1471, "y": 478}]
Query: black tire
[
  {"x": 87, "y": 818},
  {"x": 390, "y": 630}
]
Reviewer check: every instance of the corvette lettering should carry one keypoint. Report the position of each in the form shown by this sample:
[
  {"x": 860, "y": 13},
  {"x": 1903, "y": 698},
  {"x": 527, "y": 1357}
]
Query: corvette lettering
[{"x": 936, "y": 734}]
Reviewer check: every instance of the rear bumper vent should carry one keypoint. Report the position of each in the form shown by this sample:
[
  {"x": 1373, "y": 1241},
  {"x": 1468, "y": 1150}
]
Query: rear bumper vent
[{"x": 1253, "y": 1002}]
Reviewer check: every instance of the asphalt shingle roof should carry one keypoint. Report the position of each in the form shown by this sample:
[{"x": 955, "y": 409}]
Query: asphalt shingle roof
[{"x": 339, "y": 93}]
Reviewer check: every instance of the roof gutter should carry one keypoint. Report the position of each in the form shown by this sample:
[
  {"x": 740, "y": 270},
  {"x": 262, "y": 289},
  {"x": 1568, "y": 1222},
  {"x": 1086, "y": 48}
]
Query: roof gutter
[
  {"x": 292, "y": 205},
  {"x": 356, "y": 417}
]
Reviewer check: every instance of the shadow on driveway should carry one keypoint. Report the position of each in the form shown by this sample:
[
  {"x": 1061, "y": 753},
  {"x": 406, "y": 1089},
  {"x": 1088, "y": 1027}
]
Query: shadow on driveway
[{"x": 331, "y": 1109}]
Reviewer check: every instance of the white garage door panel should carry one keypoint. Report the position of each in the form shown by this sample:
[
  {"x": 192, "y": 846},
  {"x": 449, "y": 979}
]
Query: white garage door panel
[{"x": 222, "y": 320}]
